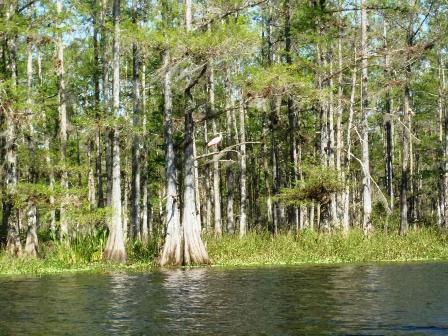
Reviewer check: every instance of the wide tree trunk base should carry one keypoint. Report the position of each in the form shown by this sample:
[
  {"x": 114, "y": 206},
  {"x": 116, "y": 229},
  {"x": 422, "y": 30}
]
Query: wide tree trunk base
[
  {"x": 172, "y": 252},
  {"x": 115, "y": 250}
]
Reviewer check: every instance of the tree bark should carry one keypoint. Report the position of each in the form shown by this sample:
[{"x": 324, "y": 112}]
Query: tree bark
[
  {"x": 216, "y": 176},
  {"x": 294, "y": 174},
  {"x": 31, "y": 244},
  {"x": 172, "y": 253},
  {"x": 62, "y": 108},
  {"x": 243, "y": 168},
  {"x": 10, "y": 218},
  {"x": 135, "y": 190},
  {"x": 194, "y": 248},
  {"x": 230, "y": 177},
  {"x": 407, "y": 129},
  {"x": 367, "y": 193},
  {"x": 346, "y": 214},
  {"x": 96, "y": 80},
  {"x": 388, "y": 126},
  {"x": 115, "y": 250},
  {"x": 443, "y": 112}
]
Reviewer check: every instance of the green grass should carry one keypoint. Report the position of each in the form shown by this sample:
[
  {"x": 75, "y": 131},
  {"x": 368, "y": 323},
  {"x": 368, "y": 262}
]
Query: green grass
[
  {"x": 313, "y": 248},
  {"x": 84, "y": 255}
]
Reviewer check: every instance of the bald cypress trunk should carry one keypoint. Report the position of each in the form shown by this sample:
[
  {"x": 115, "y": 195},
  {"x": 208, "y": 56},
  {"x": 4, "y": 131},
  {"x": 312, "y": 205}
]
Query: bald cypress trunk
[
  {"x": 208, "y": 191},
  {"x": 243, "y": 171},
  {"x": 366, "y": 185},
  {"x": 444, "y": 114},
  {"x": 292, "y": 119},
  {"x": 135, "y": 189},
  {"x": 62, "y": 108},
  {"x": 31, "y": 244},
  {"x": 10, "y": 218},
  {"x": 96, "y": 79},
  {"x": 346, "y": 197},
  {"x": 115, "y": 250},
  {"x": 230, "y": 177},
  {"x": 172, "y": 253},
  {"x": 194, "y": 248},
  {"x": 146, "y": 208},
  {"x": 407, "y": 128},
  {"x": 388, "y": 125},
  {"x": 216, "y": 176}
]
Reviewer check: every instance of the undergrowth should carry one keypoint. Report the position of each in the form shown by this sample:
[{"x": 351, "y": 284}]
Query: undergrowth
[
  {"x": 312, "y": 247},
  {"x": 309, "y": 247}
]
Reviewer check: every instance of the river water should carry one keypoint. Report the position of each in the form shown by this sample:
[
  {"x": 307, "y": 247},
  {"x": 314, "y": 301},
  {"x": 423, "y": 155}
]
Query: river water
[{"x": 393, "y": 299}]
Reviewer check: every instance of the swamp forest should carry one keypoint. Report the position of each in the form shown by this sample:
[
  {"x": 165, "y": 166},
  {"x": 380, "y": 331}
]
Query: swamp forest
[{"x": 223, "y": 132}]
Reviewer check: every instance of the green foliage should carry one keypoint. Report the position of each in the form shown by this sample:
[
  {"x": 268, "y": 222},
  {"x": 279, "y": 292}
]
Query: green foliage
[
  {"x": 318, "y": 184},
  {"x": 275, "y": 80}
]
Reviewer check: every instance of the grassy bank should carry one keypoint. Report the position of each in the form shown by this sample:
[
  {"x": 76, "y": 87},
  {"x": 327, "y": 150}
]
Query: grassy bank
[
  {"x": 255, "y": 249},
  {"x": 313, "y": 248}
]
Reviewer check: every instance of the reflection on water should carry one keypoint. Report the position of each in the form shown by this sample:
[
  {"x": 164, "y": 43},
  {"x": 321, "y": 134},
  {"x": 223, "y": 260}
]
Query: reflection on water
[{"x": 406, "y": 299}]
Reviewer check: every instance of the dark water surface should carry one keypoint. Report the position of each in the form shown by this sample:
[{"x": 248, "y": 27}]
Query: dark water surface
[{"x": 404, "y": 299}]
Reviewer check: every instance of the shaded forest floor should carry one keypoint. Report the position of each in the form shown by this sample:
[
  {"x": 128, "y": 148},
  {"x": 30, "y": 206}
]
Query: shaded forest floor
[{"x": 84, "y": 255}]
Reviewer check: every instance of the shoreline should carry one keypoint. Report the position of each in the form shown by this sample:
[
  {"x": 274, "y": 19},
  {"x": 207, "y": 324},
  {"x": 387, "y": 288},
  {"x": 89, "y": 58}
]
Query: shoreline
[{"x": 310, "y": 249}]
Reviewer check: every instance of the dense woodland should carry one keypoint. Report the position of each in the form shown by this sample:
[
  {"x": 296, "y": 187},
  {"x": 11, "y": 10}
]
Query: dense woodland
[{"x": 172, "y": 119}]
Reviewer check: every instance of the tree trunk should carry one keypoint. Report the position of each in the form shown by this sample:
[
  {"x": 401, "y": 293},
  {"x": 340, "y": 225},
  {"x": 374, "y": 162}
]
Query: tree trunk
[
  {"x": 388, "y": 124},
  {"x": 230, "y": 177},
  {"x": 367, "y": 193},
  {"x": 339, "y": 130},
  {"x": 444, "y": 114},
  {"x": 115, "y": 250},
  {"x": 405, "y": 162},
  {"x": 243, "y": 167},
  {"x": 62, "y": 127},
  {"x": 331, "y": 144},
  {"x": 294, "y": 174},
  {"x": 91, "y": 176},
  {"x": 346, "y": 214},
  {"x": 208, "y": 192},
  {"x": 10, "y": 222},
  {"x": 407, "y": 129},
  {"x": 275, "y": 108},
  {"x": 10, "y": 214},
  {"x": 135, "y": 190},
  {"x": 197, "y": 192},
  {"x": 145, "y": 210},
  {"x": 172, "y": 253},
  {"x": 216, "y": 176},
  {"x": 31, "y": 244},
  {"x": 96, "y": 79},
  {"x": 194, "y": 248},
  {"x": 146, "y": 218}
]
